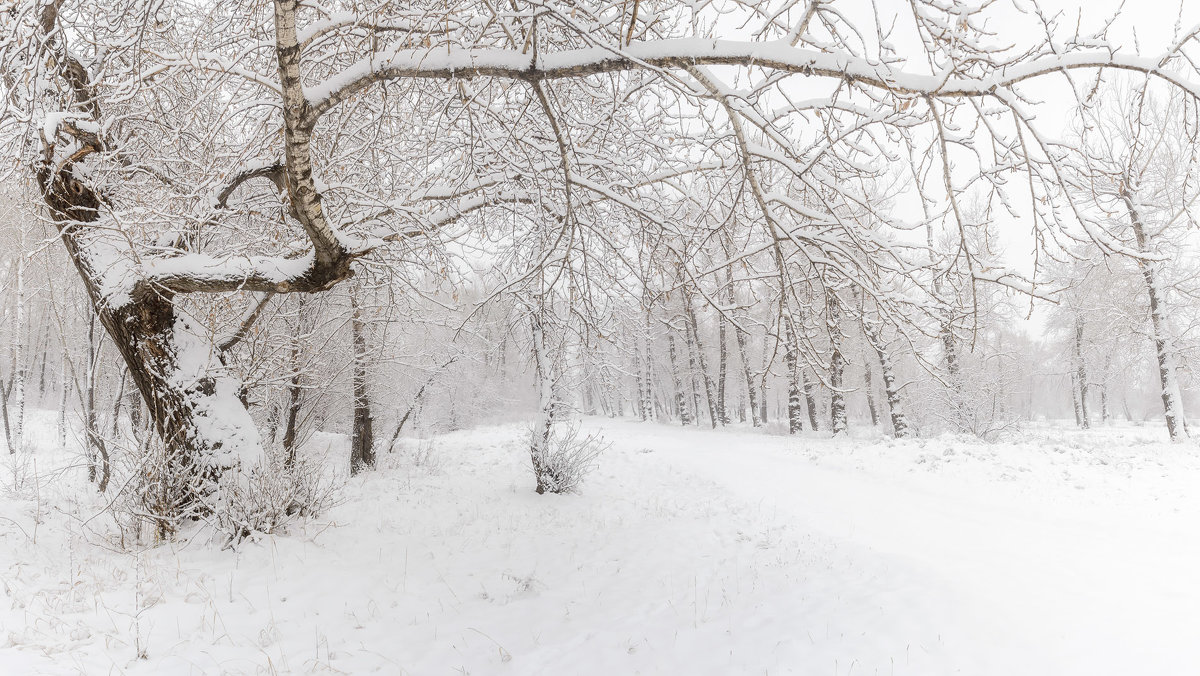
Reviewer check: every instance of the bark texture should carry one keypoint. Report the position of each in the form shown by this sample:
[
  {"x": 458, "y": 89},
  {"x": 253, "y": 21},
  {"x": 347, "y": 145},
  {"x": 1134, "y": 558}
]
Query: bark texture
[
  {"x": 795, "y": 409},
  {"x": 1172, "y": 411},
  {"x": 362, "y": 440}
]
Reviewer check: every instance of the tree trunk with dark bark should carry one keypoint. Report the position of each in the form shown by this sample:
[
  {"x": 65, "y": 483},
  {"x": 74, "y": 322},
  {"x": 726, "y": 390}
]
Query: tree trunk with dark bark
[
  {"x": 5, "y": 388},
  {"x": 147, "y": 333},
  {"x": 810, "y": 400},
  {"x": 362, "y": 440},
  {"x": 887, "y": 374},
  {"x": 701, "y": 360},
  {"x": 291, "y": 425},
  {"x": 794, "y": 406},
  {"x": 680, "y": 395},
  {"x": 837, "y": 368}
]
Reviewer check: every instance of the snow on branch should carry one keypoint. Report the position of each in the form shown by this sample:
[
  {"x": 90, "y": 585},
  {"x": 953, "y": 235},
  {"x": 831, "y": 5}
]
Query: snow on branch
[
  {"x": 198, "y": 273},
  {"x": 780, "y": 55}
]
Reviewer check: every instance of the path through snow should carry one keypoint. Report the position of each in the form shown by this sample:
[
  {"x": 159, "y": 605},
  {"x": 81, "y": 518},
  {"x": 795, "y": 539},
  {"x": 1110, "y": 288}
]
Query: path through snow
[{"x": 1051, "y": 583}]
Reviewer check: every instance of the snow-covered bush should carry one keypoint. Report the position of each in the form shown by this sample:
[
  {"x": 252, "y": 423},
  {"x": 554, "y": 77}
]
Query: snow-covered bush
[
  {"x": 982, "y": 404},
  {"x": 424, "y": 457},
  {"x": 20, "y": 480},
  {"x": 562, "y": 461},
  {"x": 160, "y": 494},
  {"x": 265, "y": 498}
]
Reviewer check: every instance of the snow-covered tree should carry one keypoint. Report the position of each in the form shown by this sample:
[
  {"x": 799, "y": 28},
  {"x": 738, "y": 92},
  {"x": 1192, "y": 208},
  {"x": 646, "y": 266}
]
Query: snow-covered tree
[{"x": 196, "y": 158}]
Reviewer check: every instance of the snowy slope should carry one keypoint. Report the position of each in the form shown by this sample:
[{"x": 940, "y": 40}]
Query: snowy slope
[{"x": 690, "y": 551}]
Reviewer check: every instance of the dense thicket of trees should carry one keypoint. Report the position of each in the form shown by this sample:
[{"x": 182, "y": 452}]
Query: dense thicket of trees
[{"x": 296, "y": 216}]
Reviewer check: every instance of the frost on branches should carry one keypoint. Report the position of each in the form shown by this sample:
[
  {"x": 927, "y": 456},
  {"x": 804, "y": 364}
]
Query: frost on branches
[{"x": 817, "y": 180}]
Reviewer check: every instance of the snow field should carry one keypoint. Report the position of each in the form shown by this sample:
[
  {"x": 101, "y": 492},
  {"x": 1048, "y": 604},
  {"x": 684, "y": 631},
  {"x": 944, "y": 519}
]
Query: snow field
[{"x": 689, "y": 551}]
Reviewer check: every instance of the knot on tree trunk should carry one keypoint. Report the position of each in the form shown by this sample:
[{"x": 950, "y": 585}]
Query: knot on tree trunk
[{"x": 68, "y": 198}]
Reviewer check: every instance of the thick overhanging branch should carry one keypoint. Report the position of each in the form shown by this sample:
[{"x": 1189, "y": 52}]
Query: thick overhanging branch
[
  {"x": 200, "y": 273},
  {"x": 778, "y": 55}
]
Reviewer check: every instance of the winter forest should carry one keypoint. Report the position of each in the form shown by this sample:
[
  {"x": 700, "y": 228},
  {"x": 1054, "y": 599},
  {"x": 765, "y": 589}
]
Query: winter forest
[{"x": 599, "y": 337}]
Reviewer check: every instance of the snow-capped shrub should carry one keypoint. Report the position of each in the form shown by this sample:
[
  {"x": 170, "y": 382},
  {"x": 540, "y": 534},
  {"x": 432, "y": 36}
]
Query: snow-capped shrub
[
  {"x": 158, "y": 490},
  {"x": 980, "y": 409},
  {"x": 562, "y": 461},
  {"x": 424, "y": 457},
  {"x": 20, "y": 480},
  {"x": 161, "y": 493},
  {"x": 268, "y": 496}
]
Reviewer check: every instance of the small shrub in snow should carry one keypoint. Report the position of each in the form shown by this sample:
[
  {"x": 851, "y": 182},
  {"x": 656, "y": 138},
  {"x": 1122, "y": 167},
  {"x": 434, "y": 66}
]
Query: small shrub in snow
[
  {"x": 423, "y": 456},
  {"x": 418, "y": 454},
  {"x": 982, "y": 418},
  {"x": 561, "y": 461},
  {"x": 979, "y": 408},
  {"x": 265, "y": 498},
  {"x": 160, "y": 493},
  {"x": 22, "y": 479}
]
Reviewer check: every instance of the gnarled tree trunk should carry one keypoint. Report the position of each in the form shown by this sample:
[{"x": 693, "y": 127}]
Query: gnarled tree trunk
[{"x": 197, "y": 415}]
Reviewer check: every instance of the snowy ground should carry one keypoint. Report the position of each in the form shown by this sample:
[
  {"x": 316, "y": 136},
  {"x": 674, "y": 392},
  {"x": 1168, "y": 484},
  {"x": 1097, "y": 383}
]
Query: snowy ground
[{"x": 689, "y": 552}]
